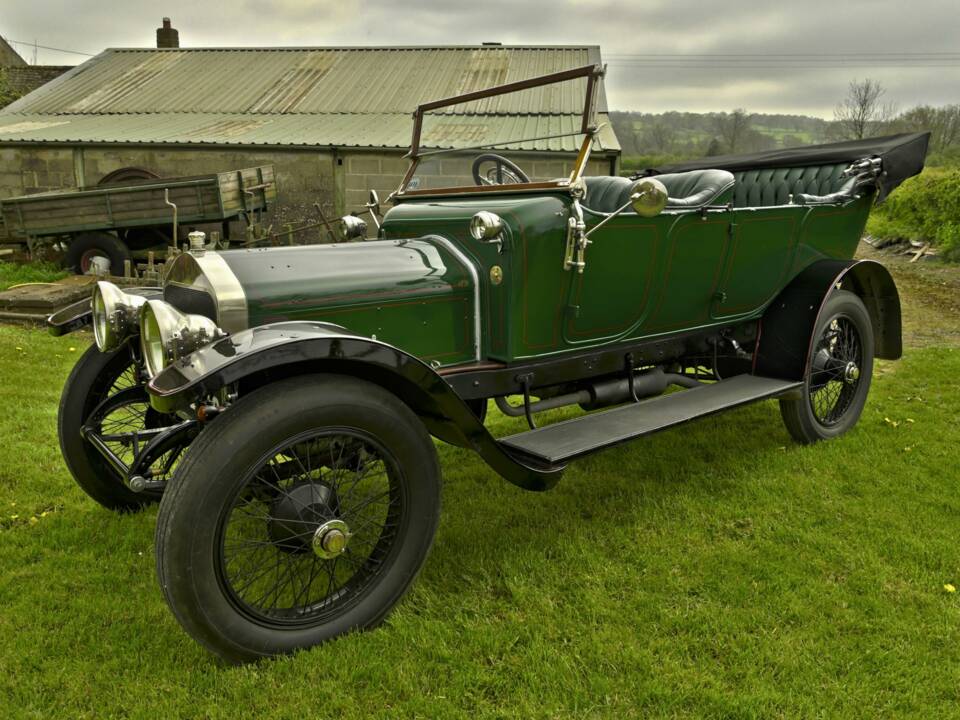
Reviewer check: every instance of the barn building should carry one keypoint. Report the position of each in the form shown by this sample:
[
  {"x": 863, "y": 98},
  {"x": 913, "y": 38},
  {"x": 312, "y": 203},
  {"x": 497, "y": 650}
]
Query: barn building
[{"x": 335, "y": 122}]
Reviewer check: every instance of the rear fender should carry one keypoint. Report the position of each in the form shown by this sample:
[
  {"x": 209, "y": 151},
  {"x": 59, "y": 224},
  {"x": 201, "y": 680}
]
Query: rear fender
[
  {"x": 786, "y": 329},
  {"x": 260, "y": 355}
]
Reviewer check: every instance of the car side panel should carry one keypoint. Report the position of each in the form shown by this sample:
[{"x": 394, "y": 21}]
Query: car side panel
[{"x": 644, "y": 278}]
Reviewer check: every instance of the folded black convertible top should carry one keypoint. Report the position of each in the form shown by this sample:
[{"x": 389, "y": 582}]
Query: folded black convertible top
[{"x": 902, "y": 156}]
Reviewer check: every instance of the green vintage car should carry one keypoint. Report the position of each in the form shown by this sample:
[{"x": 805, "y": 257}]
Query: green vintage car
[{"x": 281, "y": 403}]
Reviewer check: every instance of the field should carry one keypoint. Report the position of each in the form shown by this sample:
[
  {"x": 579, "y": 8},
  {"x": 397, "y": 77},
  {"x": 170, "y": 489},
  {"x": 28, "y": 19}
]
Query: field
[{"x": 713, "y": 571}]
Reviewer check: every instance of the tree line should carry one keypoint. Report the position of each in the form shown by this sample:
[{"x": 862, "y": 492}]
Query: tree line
[{"x": 863, "y": 112}]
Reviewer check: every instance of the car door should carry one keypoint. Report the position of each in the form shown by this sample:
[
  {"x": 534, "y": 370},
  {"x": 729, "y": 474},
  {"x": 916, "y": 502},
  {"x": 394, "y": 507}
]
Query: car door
[
  {"x": 611, "y": 297},
  {"x": 648, "y": 276}
]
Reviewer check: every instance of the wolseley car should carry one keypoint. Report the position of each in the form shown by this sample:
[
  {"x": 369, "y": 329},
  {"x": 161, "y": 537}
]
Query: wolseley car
[{"x": 281, "y": 404}]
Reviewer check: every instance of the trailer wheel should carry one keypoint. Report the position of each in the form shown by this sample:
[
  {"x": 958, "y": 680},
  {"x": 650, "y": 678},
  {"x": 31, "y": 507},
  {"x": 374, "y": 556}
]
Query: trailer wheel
[{"x": 85, "y": 249}]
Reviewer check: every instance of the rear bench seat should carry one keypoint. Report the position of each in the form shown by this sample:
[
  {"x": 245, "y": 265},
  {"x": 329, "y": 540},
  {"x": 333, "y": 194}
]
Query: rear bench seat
[
  {"x": 746, "y": 188},
  {"x": 774, "y": 186}
]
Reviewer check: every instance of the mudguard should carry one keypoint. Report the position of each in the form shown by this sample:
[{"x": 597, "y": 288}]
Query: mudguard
[
  {"x": 786, "y": 329},
  {"x": 257, "y": 356}
]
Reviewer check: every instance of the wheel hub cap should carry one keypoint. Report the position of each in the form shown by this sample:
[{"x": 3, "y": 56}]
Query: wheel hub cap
[
  {"x": 298, "y": 513},
  {"x": 330, "y": 539},
  {"x": 851, "y": 373}
]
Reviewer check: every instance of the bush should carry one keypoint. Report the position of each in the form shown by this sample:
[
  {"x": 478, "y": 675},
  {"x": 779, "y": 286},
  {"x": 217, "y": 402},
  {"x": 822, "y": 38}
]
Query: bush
[{"x": 924, "y": 208}]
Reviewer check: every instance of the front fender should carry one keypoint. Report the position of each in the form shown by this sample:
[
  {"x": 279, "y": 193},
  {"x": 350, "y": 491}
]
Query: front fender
[
  {"x": 786, "y": 329},
  {"x": 253, "y": 357}
]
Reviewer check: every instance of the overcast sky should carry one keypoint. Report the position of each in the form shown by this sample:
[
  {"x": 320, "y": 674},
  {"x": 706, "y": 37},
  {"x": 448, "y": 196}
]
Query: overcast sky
[{"x": 793, "y": 56}]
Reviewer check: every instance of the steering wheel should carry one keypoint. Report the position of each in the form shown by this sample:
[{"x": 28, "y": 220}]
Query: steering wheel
[{"x": 501, "y": 172}]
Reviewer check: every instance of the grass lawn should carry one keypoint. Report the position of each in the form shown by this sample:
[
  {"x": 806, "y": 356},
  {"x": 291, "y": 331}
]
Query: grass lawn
[
  {"x": 21, "y": 273},
  {"x": 713, "y": 571}
]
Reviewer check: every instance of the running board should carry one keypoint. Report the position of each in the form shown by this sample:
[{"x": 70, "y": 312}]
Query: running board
[{"x": 564, "y": 441}]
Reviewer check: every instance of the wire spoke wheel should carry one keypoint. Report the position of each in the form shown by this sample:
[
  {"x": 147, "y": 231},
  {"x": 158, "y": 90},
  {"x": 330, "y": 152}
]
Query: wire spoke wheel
[
  {"x": 835, "y": 372},
  {"x": 839, "y": 368},
  {"x": 125, "y": 425},
  {"x": 303, "y": 513},
  {"x": 311, "y": 527}
]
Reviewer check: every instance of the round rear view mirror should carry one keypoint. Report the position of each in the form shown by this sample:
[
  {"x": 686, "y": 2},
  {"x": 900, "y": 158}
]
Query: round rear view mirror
[{"x": 648, "y": 196}]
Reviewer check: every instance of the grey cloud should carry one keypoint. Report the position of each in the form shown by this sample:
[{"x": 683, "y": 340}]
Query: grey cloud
[{"x": 652, "y": 26}]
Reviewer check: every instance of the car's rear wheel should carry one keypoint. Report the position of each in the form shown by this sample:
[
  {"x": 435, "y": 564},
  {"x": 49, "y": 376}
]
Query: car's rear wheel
[
  {"x": 839, "y": 372},
  {"x": 302, "y": 513}
]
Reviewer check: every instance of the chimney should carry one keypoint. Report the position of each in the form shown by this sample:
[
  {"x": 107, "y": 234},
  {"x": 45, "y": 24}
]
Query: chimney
[{"x": 167, "y": 37}]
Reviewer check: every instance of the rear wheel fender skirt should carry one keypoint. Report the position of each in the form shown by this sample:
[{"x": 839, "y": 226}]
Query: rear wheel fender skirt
[
  {"x": 258, "y": 356},
  {"x": 787, "y": 325}
]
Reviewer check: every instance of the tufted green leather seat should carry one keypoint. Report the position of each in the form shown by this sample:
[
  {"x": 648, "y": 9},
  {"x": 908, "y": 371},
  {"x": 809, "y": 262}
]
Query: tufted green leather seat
[{"x": 774, "y": 186}]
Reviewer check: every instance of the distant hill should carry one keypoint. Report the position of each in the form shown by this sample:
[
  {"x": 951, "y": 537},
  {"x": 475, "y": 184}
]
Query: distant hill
[{"x": 677, "y": 135}]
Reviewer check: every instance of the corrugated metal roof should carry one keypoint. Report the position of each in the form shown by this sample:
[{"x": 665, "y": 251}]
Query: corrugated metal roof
[
  {"x": 346, "y": 97},
  {"x": 338, "y": 130},
  {"x": 311, "y": 80}
]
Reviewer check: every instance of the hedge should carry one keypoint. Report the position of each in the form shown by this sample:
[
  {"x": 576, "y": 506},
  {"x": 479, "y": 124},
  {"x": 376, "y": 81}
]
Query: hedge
[{"x": 924, "y": 208}]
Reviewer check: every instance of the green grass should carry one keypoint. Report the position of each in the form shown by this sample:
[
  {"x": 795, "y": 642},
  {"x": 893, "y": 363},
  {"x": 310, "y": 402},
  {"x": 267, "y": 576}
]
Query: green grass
[
  {"x": 713, "y": 571},
  {"x": 20, "y": 273}
]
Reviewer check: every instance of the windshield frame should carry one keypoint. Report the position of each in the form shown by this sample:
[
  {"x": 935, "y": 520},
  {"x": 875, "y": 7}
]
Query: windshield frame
[{"x": 588, "y": 128}]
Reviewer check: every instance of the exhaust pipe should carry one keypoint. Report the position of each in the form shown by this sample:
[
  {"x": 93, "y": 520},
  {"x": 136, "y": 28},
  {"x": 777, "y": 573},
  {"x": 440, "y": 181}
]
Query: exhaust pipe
[{"x": 604, "y": 393}]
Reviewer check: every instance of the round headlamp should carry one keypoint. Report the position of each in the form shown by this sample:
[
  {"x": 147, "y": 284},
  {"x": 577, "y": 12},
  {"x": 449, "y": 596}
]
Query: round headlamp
[
  {"x": 648, "y": 197},
  {"x": 485, "y": 225},
  {"x": 352, "y": 227},
  {"x": 115, "y": 315},
  {"x": 166, "y": 334}
]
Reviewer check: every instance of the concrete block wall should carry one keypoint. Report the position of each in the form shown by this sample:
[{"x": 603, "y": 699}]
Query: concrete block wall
[{"x": 28, "y": 170}]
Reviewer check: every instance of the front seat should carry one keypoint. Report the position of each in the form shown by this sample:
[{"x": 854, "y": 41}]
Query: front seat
[
  {"x": 686, "y": 191},
  {"x": 697, "y": 188}
]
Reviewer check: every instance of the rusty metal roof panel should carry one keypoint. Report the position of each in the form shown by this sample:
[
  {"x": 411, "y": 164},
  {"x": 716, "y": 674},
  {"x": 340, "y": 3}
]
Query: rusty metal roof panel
[
  {"x": 369, "y": 130},
  {"x": 270, "y": 81}
]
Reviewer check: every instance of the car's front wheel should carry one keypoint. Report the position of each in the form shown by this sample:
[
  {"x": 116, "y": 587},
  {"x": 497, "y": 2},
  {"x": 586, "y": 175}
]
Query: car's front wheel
[
  {"x": 839, "y": 371},
  {"x": 99, "y": 377},
  {"x": 303, "y": 512}
]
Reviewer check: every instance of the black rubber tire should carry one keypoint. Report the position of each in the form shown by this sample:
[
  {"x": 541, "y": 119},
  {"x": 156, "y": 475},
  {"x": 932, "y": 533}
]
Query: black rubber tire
[
  {"x": 88, "y": 383},
  {"x": 214, "y": 470},
  {"x": 797, "y": 413},
  {"x": 97, "y": 242}
]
